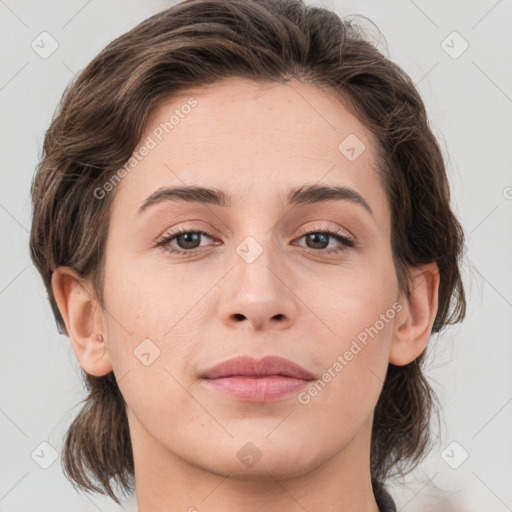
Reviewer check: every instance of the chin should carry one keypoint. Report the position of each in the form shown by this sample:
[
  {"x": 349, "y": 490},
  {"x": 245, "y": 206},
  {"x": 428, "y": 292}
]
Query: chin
[
  {"x": 279, "y": 468},
  {"x": 261, "y": 459}
]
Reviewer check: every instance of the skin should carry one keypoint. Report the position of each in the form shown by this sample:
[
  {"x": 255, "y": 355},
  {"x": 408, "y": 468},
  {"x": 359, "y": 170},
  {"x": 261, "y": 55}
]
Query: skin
[{"x": 255, "y": 142}]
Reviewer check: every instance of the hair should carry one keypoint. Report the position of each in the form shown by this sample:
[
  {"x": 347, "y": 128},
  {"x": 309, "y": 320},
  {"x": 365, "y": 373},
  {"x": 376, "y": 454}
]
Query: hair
[{"x": 101, "y": 118}]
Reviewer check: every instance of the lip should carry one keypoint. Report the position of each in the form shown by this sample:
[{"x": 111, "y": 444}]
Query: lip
[
  {"x": 257, "y": 380},
  {"x": 245, "y": 366}
]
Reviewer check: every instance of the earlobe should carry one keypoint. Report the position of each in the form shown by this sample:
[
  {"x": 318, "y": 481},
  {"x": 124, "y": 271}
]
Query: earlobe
[
  {"x": 415, "y": 321},
  {"x": 79, "y": 309}
]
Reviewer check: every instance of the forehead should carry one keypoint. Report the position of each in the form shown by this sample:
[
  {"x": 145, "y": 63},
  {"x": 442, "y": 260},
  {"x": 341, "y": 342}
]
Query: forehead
[
  {"x": 252, "y": 139},
  {"x": 286, "y": 117}
]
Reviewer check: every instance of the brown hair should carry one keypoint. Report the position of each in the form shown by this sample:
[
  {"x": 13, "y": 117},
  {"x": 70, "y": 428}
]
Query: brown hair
[{"x": 101, "y": 118}]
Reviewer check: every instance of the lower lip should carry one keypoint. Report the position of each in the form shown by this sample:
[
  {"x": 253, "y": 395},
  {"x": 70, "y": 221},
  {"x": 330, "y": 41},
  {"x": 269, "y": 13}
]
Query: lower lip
[{"x": 257, "y": 389}]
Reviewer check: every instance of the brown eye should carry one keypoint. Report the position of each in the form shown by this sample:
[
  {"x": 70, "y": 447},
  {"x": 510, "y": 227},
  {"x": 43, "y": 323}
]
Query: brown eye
[
  {"x": 319, "y": 241},
  {"x": 186, "y": 239}
]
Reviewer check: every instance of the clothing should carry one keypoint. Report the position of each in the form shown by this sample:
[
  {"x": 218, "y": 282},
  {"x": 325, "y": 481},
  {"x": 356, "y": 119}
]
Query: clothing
[{"x": 383, "y": 498}]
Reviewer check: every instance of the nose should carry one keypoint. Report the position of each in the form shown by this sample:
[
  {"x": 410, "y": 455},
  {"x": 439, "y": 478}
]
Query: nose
[{"x": 259, "y": 294}]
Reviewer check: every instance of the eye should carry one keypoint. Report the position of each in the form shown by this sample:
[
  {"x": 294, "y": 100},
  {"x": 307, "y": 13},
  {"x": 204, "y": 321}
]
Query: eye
[
  {"x": 187, "y": 238},
  {"x": 318, "y": 240}
]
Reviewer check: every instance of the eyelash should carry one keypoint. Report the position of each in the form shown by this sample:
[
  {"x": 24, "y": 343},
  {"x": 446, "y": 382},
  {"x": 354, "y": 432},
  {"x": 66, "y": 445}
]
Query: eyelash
[{"x": 347, "y": 243}]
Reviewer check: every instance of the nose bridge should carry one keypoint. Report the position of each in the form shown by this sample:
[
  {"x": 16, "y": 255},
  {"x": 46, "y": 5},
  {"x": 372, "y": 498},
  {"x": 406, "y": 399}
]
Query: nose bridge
[
  {"x": 255, "y": 252},
  {"x": 256, "y": 263},
  {"x": 258, "y": 290}
]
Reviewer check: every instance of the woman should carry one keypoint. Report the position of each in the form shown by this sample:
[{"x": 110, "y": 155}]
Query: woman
[{"x": 242, "y": 221}]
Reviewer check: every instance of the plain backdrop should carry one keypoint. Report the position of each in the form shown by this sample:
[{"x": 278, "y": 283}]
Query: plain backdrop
[{"x": 459, "y": 54}]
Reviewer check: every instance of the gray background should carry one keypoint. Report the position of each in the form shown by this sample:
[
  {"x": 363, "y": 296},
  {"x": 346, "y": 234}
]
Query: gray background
[{"x": 469, "y": 99}]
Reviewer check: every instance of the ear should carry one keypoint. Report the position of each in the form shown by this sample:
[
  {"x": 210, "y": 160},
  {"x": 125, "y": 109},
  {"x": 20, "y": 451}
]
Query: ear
[
  {"x": 415, "y": 320},
  {"x": 81, "y": 313}
]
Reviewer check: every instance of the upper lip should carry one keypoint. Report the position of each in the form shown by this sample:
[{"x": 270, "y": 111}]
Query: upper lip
[{"x": 250, "y": 367}]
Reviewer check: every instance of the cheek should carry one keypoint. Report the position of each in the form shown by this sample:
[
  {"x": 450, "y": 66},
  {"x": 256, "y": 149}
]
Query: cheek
[
  {"x": 143, "y": 316},
  {"x": 355, "y": 362},
  {"x": 152, "y": 323},
  {"x": 353, "y": 301},
  {"x": 149, "y": 302},
  {"x": 358, "y": 313}
]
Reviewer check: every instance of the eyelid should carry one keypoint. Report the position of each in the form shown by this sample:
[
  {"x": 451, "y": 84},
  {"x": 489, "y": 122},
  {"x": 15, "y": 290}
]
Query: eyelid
[
  {"x": 184, "y": 228},
  {"x": 344, "y": 233},
  {"x": 348, "y": 242}
]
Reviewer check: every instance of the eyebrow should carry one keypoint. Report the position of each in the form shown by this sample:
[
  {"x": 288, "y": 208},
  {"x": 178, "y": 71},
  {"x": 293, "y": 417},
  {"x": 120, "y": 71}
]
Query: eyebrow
[{"x": 306, "y": 194}]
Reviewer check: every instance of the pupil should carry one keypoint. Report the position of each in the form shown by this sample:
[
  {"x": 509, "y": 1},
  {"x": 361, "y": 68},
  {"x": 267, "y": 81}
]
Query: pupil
[
  {"x": 186, "y": 237},
  {"x": 315, "y": 236}
]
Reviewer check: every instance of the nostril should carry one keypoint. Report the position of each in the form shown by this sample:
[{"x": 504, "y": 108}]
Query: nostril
[{"x": 239, "y": 316}]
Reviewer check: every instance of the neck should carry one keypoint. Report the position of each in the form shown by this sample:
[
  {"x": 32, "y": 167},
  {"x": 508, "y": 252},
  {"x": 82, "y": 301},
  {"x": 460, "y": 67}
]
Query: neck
[{"x": 165, "y": 481}]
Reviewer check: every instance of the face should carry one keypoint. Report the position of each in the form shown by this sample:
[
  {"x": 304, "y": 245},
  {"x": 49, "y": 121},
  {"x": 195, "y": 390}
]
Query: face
[{"x": 190, "y": 284}]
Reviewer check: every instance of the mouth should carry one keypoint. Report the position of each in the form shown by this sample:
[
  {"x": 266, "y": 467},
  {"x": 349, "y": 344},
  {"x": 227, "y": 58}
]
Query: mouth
[{"x": 266, "y": 380}]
